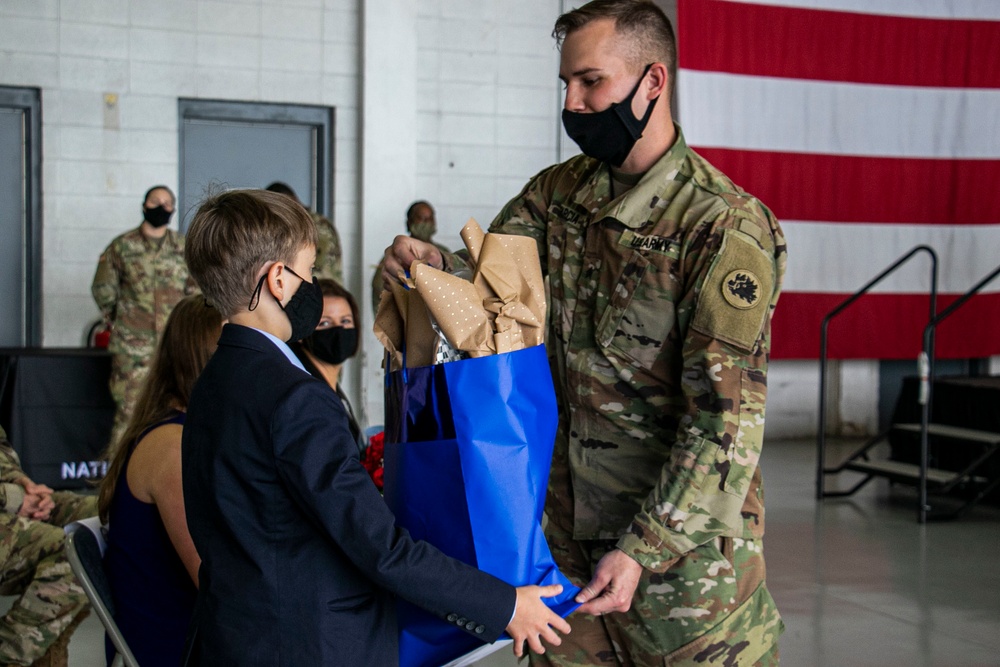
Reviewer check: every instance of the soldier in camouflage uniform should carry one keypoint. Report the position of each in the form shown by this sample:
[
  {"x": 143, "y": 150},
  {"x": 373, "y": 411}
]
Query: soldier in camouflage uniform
[
  {"x": 37, "y": 629},
  {"x": 329, "y": 255},
  {"x": 421, "y": 223},
  {"x": 140, "y": 278},
  {"x": 663, "y": 276}
]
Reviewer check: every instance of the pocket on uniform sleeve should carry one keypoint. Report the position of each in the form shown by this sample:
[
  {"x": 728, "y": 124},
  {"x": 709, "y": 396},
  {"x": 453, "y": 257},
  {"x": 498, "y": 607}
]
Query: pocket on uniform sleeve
[
  {"x": 736, "y": 295},
  {"x": 693, "y": 470},
  {"x": 693, "y": 461}
]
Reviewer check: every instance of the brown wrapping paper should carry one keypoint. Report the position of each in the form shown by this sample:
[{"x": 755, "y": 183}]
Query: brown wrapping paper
[
  {"x": 502, "y": 309},
  {"x": 457, "y": 307},
  {"x": 402, "y": 318}
]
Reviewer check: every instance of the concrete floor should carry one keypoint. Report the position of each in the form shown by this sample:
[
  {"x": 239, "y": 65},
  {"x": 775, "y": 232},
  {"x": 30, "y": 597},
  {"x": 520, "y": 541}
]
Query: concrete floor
[{"x": 858, "y": 581}]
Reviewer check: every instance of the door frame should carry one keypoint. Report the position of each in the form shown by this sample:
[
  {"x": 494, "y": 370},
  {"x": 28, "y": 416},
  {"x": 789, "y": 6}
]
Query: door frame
[
  {"x": 318, "y": 117},
  {"x": 29, "y": 101}
]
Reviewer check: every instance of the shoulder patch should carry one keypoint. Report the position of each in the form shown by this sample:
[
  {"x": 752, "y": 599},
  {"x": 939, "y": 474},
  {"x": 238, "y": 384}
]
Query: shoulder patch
[
  {"x": 741, "y": 289},
  {"x": 736, "y": 295}
]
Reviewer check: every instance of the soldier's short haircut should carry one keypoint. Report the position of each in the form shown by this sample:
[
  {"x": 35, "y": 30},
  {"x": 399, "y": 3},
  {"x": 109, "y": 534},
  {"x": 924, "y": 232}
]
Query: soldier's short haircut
[
  {"x": 412, "y": 210},
  {"x": 150, "y": 191},
  {"x": 649, "y": 34},
  {"x": 235, "y": 234},
  {"x": 283, "y": 189}
]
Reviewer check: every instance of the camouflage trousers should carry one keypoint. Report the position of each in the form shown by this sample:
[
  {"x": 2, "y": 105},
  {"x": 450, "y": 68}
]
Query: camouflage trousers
[
  {"x": 128, "y": 372},
  {"x": 33, "y": 565},
  {"x": 709, "y": 608}
]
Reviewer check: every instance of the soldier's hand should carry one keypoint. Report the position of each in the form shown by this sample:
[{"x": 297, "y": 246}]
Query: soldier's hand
[
  {"x": 613, "y": 585},
  {"x": 403, "y": 252},
  {"x": 533, "y": 621},
  {"x": 45, "y": 507},
  {"x": 37, "y": 507},
  {"x": 37, "y": 489}
]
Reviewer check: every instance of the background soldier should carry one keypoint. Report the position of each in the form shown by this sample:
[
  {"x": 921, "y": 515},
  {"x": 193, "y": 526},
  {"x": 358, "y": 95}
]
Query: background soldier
[
  {"x": 36, "y": 630},
  {"x": 329, "y": 256},
  {"x": 140, "y": 278},
  {"x": 421, "y": 223},
  {"x": 663, "y": 278}
]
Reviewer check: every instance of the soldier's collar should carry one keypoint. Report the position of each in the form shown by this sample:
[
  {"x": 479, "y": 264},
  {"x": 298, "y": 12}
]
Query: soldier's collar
[{"x": 636, "y": 206}]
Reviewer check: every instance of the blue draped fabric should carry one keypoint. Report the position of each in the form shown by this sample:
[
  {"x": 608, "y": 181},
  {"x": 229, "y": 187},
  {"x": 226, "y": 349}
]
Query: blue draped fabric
[{"x": 468, "y": 446}]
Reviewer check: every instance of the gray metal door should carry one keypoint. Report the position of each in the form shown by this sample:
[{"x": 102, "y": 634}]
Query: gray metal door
[
  {"x": 19, "y": 223},
  {"x": 228, "y": 145},
  {"x": 12, "y": 329}
]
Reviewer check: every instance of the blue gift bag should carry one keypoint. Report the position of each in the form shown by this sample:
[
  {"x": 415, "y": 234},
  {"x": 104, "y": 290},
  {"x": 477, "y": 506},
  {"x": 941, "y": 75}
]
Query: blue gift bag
[{"x": 468, "y": 446}]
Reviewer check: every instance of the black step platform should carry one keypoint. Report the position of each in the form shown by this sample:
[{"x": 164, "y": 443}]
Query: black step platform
[{"x": 965, "y": 418}]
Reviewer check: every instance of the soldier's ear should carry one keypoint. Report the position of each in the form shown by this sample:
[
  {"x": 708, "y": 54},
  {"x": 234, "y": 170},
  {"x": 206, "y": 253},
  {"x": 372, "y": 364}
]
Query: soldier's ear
[{"x": 658, "y": 79}]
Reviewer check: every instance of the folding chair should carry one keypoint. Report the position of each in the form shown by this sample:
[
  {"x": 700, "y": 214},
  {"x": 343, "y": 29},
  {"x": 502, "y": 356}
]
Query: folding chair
[{"x": 85, "y": 550}]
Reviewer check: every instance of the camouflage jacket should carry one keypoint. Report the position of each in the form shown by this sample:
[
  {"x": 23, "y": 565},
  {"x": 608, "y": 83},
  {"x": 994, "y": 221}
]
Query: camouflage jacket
[
  {"x": 136, "y": 285},
  {"x": 659, "y": 327},
  {"x": 329, "y": 256},
  {"x": 11, "y": 493}
]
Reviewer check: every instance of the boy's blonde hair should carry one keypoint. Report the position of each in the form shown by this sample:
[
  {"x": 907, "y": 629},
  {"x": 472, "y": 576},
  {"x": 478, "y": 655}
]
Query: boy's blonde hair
[{"x": 234, "y": 234}]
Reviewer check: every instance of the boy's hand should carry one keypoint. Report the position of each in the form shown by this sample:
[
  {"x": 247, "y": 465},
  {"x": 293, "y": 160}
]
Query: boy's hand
[
  {"x": 533, "y": 621},
  {"x": 403, "y": 252}
]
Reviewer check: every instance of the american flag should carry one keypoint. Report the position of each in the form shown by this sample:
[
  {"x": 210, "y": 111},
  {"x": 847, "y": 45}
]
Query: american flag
[{"x": 868, "y": 127}]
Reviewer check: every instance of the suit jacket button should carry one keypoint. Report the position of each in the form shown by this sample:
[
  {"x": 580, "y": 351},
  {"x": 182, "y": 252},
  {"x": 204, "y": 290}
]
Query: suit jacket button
[
  {"x": 452, "y": 617},
  {"x": 460, "y": 622},
  {"x": 480, "y": 629},
  {"x": 470, "y": 625}
]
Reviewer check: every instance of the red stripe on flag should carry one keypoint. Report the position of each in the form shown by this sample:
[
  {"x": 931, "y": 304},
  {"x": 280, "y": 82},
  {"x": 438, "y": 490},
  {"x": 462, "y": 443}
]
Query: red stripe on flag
[
  {"x": 843, "y": 188},
  {"x": 759, "y": 40},
  {"x": 883, "y": 326}
]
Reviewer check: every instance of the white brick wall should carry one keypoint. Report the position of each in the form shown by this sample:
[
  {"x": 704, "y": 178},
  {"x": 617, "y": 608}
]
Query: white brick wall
[
  {"x": 149, "y": 53},
  {"x": 487, "y": 103}
]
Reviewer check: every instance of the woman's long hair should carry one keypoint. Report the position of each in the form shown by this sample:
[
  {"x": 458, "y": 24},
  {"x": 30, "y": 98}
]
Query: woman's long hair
[{"x": 189, "y": 339}]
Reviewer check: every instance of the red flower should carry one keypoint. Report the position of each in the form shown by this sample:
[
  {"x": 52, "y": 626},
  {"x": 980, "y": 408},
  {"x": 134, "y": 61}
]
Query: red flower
[{"x": 372, "y": 458}]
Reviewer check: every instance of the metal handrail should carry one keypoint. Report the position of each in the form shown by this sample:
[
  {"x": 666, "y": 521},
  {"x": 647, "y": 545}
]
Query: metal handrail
[
  {"x": 926, "y": 364},
  {"x": 821, "y": 437}
]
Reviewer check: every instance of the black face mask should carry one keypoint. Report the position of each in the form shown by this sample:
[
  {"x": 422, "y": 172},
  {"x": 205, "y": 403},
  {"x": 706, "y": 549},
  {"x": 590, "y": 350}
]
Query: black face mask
[
  {"x": 609, "y": 135},
  {"x": 157, "y": 217},
  {"x": 333, "y": 345},
  {"x": 304, "y": 309}
]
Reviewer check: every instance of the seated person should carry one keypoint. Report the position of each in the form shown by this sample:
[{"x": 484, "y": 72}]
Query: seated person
[
  {"x": 151, "y": 563},
  {"x": 33, "y": 565},
  {"x": 301, "y": 558},
  {"x": 335, "y": 340}
]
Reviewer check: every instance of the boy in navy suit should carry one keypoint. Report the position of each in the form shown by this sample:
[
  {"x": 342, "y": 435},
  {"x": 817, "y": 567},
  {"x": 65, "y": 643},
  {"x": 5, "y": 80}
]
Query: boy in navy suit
[{"x": 300, "y": 556}]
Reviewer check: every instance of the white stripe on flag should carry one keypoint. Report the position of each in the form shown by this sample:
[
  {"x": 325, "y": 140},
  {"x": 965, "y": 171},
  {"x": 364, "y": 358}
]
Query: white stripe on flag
[
  {"x": 950, "y": 9},
  {"x": 795, "y": 115},
  {"x": 840, "y": 258}
]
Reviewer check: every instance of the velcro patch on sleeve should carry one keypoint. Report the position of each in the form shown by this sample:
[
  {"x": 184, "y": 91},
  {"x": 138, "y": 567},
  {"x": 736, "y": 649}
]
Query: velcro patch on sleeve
[{"x": 736, "y": 294}]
